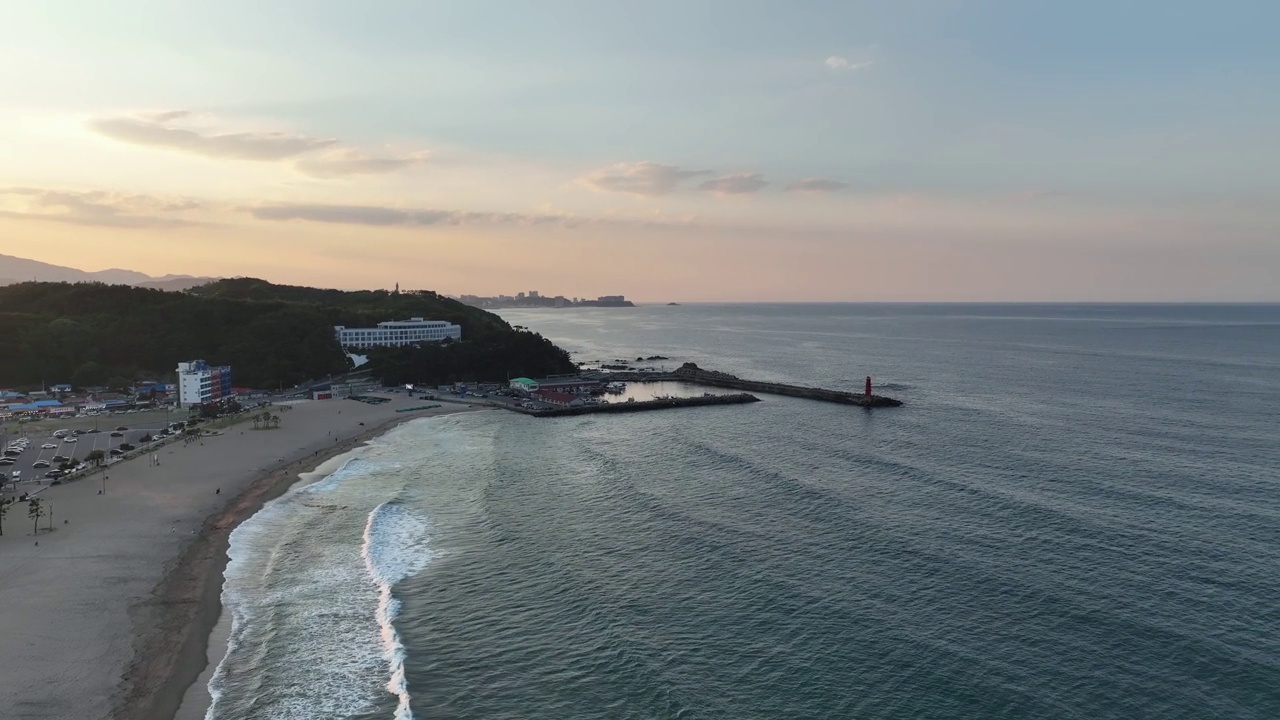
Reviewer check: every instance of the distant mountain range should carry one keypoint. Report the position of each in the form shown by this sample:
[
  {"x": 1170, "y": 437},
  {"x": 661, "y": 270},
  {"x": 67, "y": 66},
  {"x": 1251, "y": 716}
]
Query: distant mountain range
[{"x": 15, "y": 270}]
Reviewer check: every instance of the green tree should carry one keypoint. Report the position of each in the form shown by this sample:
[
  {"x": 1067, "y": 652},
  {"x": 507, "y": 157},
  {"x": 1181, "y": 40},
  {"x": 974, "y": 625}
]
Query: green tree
[
  {"x": 95, "y": 457},
  {"x": 35, "y": 511},
  {"x": 87, "y": 375}
]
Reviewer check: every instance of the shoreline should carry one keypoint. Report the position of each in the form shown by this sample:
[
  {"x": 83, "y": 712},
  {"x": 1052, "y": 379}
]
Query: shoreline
[
  {"x": 189, "y": 596},
  {"x": 110, "y": 604}
]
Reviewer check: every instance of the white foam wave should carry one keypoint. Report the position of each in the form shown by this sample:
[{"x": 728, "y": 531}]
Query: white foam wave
[
  {"x": 395, "y": 548},
  {"x": 255, "y": 551}
]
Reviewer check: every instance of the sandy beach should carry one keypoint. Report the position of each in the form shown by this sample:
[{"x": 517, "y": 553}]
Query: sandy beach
[{"x": 108, "y": 615}]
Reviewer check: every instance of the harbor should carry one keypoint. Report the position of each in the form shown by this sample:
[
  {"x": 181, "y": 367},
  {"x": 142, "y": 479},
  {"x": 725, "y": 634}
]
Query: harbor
[
  {"x": 636, "y": 391},
  {"x": 661, "y": 403}
]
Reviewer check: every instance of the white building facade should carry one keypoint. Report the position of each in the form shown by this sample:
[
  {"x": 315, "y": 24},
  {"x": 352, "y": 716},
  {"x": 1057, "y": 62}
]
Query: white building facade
[
  {"x": 200, "y": 383},
  {"x": 397, "y": 333}
]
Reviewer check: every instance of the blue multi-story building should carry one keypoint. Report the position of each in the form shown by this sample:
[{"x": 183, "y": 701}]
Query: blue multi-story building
[{"x": 200, "y": 383}]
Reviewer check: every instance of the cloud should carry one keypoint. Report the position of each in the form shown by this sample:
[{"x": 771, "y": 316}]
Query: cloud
[
  {"x": 352, "y": 162},
  {"x": 838, "y": 63},
  {"x": 380, "y": 216},
  {"x": 98, "y": 209},
  {"x": 386, "y": 216},
  {"x": 817, "y": 185},
  {"x": 318, "y": 157},
  {"x": 737, "y": 184},
  {"x": 158, "y": 131},
  {"x": 163, "y": 117},
  {"x": 640, "y": 178}
]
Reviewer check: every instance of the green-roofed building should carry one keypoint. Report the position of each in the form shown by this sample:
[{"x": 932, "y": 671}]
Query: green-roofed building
[{"x": 524, "y": 384}]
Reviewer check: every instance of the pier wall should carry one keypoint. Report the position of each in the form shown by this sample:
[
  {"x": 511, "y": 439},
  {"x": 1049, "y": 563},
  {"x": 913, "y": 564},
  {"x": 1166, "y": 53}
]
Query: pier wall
[
  {"x": 656, "y": 404},
  {"x": 693, "y": 374}
]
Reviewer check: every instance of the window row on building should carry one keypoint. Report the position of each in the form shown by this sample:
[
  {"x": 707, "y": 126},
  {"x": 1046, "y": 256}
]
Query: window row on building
[{"x": 395, "y": 333}]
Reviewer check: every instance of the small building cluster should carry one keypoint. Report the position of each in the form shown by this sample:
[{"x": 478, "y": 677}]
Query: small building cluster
[
  {"x": 62, "y": 400},
  {"x": 566, "y": 391},
  {"x": 199, "y": 384},
  {"x": 397, "y": 333}
]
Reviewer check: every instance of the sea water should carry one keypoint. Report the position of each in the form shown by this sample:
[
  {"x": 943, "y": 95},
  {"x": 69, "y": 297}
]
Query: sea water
[{"x": 1075, "y": 515}]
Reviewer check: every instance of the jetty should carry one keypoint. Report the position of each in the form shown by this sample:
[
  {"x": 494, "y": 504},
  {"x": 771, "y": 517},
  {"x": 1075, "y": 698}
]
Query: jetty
[
  {"x": 655, "y": 404},
  {"x": 691, "y": 373}
]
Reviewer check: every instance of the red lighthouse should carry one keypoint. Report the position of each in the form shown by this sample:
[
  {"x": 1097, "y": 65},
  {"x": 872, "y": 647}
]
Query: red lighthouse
[{"x": 868, "y": 386}]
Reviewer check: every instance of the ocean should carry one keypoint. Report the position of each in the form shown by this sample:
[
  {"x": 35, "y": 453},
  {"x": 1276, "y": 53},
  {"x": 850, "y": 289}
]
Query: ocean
[{"x": 1075, "y": 515}]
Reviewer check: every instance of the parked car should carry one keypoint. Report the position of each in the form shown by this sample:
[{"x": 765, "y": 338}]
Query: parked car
[
  {"x": 54, "y": 474},
  {"x": 117, "y": 434},
  {"x": 7, "y": 461},
  {"x": 122, "y": 428},
  {"x": 48, "y": 446},
  {"x": 68, "y": 440},
  {"x": 116, "y": 452},
  {"x": 61, "y": 458},
  {"x": 40, "y": 464}
]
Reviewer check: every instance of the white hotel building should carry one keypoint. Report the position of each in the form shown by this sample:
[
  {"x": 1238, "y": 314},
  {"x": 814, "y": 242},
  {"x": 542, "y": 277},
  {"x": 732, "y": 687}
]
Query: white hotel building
[{"x": 395, "y": 333}]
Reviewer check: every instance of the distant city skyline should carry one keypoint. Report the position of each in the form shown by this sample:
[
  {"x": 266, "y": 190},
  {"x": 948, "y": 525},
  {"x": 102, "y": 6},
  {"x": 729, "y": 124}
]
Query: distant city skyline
[{"x": 810, "y": 150}]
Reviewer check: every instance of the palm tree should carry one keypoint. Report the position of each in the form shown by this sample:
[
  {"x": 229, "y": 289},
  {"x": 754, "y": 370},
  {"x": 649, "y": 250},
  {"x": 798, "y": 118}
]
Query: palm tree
[
  {"x": 256, "y": 420},
  {"x": 35, "y": 511}
]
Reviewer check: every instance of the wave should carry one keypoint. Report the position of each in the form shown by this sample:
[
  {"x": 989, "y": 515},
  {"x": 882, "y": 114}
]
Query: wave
[
  {"x": 308, "y": 588},
  {"x": 395, "y": 548}
]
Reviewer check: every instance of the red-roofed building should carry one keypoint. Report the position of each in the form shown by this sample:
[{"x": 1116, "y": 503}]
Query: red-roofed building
[{"x": 559, "y": 398}]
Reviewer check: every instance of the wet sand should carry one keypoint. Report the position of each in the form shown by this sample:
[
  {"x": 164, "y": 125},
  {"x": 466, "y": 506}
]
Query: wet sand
[{"x": 109, "y": 614}]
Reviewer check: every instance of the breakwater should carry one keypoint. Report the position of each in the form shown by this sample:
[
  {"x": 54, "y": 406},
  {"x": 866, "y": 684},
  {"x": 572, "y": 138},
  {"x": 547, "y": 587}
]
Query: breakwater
[
  {"x": 655, "y": 404},
  {"x": 417, "y": 407},
  {"x": 689, "y": 372}
]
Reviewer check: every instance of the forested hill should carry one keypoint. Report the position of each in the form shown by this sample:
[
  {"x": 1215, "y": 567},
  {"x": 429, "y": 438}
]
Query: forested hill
[{"x": 272, "y": 335}]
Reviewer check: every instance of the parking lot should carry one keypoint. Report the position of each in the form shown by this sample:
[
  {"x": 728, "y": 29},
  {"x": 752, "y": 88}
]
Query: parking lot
[{"x": 43, "y": 447}]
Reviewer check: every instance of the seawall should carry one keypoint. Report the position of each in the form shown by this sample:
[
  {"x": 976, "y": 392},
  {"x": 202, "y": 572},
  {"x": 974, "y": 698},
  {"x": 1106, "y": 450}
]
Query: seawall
[
  {"x": 655, "y": 404},
  {"x": 693, "y": 374}
]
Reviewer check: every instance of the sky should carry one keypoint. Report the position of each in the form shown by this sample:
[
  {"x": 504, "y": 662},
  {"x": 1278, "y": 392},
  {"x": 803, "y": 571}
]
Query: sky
[{"x": 701, "y": 150}]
